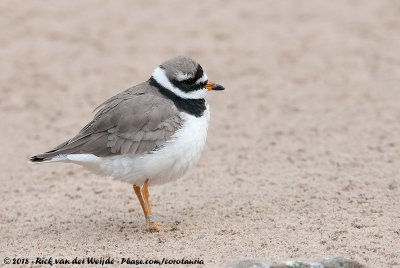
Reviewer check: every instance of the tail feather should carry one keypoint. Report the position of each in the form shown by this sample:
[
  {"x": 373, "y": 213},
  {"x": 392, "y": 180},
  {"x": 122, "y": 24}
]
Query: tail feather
[
  {"x": 69, "y": 147},
  {"x": 39, "y": 159},
  {"x": 57, "y": 153},
  {"x": 42, "y": 158},
  {"x": 35, "y": 158}
]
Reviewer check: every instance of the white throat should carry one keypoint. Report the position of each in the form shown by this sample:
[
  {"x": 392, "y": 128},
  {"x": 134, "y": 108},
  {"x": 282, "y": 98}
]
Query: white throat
[{"x": 161, "y": 77}]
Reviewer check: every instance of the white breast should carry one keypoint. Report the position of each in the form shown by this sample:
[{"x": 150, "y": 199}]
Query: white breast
[{"x": 170, "y": 162}]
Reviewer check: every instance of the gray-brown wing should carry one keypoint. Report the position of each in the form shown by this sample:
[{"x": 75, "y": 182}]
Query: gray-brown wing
[{"x": 134, "y": 124}]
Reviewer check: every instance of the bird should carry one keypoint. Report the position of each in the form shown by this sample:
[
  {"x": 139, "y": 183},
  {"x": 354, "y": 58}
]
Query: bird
[{"x": 149, "y": 134}]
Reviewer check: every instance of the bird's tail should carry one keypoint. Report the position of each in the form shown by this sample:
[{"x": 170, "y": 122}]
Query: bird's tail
[
  {"x": 42, "y": 158},
  {"x": 38, "y": 159},
  {"x": 57, "y": 154}
]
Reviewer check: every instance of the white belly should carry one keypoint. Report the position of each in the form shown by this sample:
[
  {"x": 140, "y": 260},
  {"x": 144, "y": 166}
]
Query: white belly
[{"x": 170, "y": 162}]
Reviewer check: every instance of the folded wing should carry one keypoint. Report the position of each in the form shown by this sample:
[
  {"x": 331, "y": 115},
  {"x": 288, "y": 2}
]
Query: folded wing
[{"x": 125, "y": 124}]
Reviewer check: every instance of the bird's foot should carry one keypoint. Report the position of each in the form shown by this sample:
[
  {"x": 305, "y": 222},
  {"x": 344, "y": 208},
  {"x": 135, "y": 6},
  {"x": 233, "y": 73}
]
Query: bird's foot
[{"x": 153, "y": 227}]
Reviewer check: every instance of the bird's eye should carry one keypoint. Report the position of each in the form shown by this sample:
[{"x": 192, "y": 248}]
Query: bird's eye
[{"x": 188, "y": 82}]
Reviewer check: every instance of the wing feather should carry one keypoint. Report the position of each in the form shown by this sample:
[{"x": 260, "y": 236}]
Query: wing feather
[{"x": 125, "y": 124}]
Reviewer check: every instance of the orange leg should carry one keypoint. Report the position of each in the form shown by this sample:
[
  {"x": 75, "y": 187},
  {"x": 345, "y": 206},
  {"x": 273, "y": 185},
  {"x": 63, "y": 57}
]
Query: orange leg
[
  {"x": 145, "y": 193},
  {"x": 143, "y": 197},
  {"x": 141, "y": 201}
]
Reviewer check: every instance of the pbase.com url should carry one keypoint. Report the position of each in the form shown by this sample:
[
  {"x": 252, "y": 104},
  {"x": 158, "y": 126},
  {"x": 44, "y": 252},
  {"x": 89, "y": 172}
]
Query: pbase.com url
[
  {"x": 50, "y": 261},
  {"x": 164, "y": 261}
]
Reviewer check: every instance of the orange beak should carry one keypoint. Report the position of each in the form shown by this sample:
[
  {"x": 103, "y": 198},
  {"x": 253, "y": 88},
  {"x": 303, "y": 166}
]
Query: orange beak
[{"x": 212, "y": 86}]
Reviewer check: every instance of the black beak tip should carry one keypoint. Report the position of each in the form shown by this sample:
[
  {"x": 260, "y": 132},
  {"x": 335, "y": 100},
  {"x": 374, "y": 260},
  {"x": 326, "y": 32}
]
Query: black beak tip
[{"x": 218, "y": 87}]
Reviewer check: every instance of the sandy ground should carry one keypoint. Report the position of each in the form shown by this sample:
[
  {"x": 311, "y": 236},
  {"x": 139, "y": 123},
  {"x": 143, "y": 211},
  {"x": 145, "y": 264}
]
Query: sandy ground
[{"x": 302, "y": 157}]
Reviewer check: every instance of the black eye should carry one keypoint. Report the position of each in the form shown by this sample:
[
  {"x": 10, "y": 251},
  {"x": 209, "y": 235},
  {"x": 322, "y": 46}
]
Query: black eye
[{"x": 188, "y": 82}]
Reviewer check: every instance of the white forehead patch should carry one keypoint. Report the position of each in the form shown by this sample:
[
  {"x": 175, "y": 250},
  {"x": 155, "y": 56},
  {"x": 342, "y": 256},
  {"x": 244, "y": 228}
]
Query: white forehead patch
[{"x": 161, "y": 77}]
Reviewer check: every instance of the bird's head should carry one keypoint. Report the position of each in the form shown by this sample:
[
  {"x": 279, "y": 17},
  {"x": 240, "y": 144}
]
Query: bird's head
[{"x": 184, "y": 77}]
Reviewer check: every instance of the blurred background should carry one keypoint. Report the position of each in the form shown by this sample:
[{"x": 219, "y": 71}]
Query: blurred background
[{"x": 302, "y": 157}]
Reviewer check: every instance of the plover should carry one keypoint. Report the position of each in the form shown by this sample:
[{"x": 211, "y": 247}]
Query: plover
[{"x": 151, "y": 133}]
